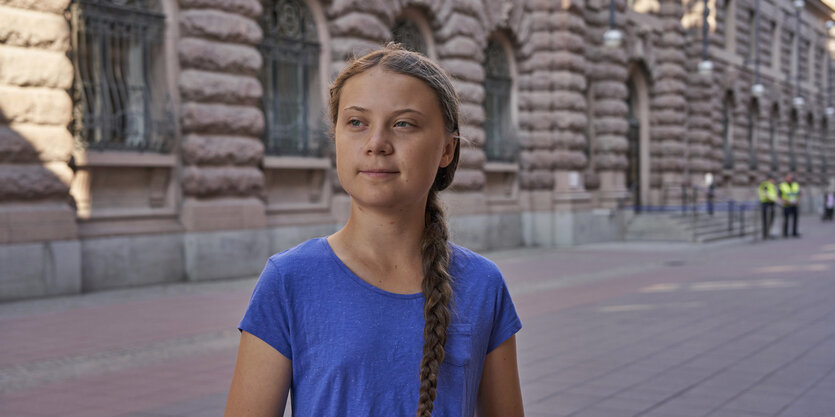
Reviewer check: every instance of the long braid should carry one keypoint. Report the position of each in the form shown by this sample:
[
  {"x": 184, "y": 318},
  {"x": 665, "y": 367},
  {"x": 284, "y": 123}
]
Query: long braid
[{"x": 437, "y": 293}]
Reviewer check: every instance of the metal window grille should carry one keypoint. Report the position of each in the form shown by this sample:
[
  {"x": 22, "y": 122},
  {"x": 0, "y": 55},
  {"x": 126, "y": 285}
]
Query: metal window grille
[
  {"x": 727, "y": 132},
  {"x": 117, "y": 105},
  {"x": 810, "y": 130},
  {"x": 792, "y": 133},
  {"x": 753, "y": 117},
  {"x": 501, "y": 143},
  {"x": 291, "y": 57},
  {"x": 772, "y": 138},
  {"x": 408, "y": 35}
]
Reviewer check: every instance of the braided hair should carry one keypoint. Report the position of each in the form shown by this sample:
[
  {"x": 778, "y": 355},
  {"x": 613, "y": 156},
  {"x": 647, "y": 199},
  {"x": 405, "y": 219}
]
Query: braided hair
[{"x": 436, "y": 285}]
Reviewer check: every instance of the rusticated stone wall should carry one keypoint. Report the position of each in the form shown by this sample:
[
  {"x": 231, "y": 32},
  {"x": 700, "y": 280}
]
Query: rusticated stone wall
[
  {"x": 35, "y": 108},
  {"x": 699, "y": 125},
  {"x": 221, "y": 119},
  {"x": 668, "y": 104},
  {"x": 608, "y": 72},
  {"x": 569, "y": 81},
  {"x": 535, "y": 102}
]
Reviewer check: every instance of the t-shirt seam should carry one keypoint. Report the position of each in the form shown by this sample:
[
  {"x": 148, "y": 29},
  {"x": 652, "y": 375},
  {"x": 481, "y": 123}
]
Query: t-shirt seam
[{"x": 516, "y": 323}]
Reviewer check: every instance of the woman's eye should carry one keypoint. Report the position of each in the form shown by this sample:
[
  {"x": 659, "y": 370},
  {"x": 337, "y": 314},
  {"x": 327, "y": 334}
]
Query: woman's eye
[
  {"x": 402, "y": 123},
  {"x": 355, "y": 123}
]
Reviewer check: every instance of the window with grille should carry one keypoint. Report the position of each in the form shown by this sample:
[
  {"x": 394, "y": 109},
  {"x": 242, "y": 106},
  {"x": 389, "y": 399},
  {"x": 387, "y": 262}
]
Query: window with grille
[
  {"x": 803, "y": 59},
  {"x": 786, "y": 52},
  {"x": 753, "y": 118},
  {"x": 772, "y": 137},
  {"x": 409, "y": 36},
  {"x": 727, "y": 132},
  {"x": 119, "y": 99},
  {"x": 501, "y": 143},
  {"x": 792, "y": 133},
  {"x": 290, "y": 48}
]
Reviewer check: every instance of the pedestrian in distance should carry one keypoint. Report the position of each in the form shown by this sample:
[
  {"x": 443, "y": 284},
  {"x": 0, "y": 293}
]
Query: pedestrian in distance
[
  {"x": 768, "y": 197},
  {"x": 789, "y": 195},
  {"x": 385, "y": 317},
  {"x": 828, "y": 205}
]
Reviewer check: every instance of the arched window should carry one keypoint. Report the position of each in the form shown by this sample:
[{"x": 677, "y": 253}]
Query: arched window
[
  {"x": 291, "y": 60},
  {"x": 792, "y": 133},
  {"x": 824, "y": 143},
  {"x": 810, "y": 131},
  {"x": 727, "y": 131},
  {"x": 772, "y": 136},
  {"x": 753, "y": 119},
  {"x": 407, "y": 33},
  {"x": 114, "y": 52},
  {"x": 501, "y": 142}
]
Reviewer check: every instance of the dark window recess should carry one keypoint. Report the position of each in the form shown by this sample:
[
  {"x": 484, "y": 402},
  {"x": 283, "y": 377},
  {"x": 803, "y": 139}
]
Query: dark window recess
[
  {"x": 408, "y": 35},
  {"x": 119, "y": 97},
  {"x": 291, "y": 61},
  {"x": 501, "y": 142}
]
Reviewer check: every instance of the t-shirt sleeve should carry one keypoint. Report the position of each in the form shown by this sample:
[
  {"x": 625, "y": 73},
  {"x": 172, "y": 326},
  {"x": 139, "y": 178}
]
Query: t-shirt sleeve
[
  {"x": 267, "y": 317},
  {"x": 505, "y": 320}
]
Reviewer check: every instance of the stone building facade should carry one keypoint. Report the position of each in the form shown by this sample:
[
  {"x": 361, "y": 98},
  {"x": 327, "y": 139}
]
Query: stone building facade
[{"x": 151, "y": 141}]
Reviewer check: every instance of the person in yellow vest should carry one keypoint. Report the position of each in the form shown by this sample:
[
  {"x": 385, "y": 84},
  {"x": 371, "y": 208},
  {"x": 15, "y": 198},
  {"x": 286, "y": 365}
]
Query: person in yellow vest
[
  {"x": 789, "y": 195},
  {"x": 768, "y": 196}
]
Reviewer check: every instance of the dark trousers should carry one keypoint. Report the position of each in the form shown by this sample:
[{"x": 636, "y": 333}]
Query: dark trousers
[
  {"x": 789, "y": 211},
  {"x": 827, "y": 214},
  {"x": 767, "y": 211}
]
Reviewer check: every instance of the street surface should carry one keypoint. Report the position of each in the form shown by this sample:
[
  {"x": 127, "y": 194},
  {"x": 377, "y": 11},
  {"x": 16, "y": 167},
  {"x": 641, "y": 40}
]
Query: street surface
[{"x": 610, "y": 330}]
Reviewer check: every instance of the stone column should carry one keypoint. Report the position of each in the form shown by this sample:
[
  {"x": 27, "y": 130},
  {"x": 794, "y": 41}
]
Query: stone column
[
  {"x": 39, "y": 251},
  {"x": 607, "y": 74},
  {"x": 699, "y": 126},
  {"x": 668, "y": 103},
  {"x": 221, "y": 123}
]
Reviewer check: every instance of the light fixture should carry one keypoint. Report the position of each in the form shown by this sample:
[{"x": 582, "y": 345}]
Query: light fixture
[
  {"x": 612, "y": 38},
  {"x": 799, "y": 102},
  {"x": 757, "y": 90},
  {"x": 706, "y": 67},
  {"x": 798, "y": 4},
  {"x": 829, "y": 24},
  {"x": 830, "y": 111}
]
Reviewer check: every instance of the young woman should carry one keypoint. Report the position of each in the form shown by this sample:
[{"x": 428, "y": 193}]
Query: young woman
[{"x": 385, "y": 317}]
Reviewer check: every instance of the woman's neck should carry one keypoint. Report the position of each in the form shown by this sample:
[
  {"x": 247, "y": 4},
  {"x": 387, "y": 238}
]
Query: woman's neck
[{"x": 383, "y": 247}]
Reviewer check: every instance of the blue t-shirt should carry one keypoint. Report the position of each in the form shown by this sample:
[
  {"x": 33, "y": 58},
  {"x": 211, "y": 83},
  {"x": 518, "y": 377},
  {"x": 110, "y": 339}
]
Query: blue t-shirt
[{"x": 356, "y": 349}]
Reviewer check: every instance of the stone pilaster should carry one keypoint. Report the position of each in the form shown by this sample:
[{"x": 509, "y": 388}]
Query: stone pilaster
[
  {"x": 607, "y": 76},
  {"x": 39, "y": 252},
  {"x": 568, "y": 105},
  {"x": 220, "y": 116},
  {"x": 668, "y": 103},
  {"x": 699, "y": 126},
  {"x": 536, "y": 158}
]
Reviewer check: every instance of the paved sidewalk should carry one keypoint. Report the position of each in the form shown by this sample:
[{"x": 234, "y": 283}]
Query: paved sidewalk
[{"x": 618, "y": 329}]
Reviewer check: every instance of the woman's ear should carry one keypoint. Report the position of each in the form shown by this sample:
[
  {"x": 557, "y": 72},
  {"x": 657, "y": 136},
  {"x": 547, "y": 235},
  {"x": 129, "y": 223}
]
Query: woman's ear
[{"x": 449, "y": 150}]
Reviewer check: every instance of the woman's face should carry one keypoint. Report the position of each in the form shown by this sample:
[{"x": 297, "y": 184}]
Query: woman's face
[{"x": 390, "y": 139}]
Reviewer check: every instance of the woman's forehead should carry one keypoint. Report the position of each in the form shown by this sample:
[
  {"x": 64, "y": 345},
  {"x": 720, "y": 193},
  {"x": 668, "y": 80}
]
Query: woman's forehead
[{"x": 381, "y": 90}]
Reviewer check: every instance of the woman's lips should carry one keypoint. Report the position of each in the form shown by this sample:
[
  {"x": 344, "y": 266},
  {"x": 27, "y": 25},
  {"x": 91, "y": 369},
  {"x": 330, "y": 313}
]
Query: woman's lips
[{"x": 378, "y": 173}]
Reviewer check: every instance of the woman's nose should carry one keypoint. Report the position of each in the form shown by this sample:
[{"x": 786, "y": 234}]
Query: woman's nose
[{"x": 378, "y": 143}]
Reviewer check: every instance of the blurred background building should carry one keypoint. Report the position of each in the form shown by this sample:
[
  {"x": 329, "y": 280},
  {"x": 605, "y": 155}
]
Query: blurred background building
[{"x": 152, "y": 141}]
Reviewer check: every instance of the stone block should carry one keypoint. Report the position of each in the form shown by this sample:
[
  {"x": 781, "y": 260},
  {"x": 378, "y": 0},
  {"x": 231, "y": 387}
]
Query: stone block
[
  {"x": 568, "y": 100},
  {"x": 286, "y": 237},
  {"x": 222, "y": 119},
  {"x": 34, "y": 181},
  {"x": 536, "y": 179},
  {"x": 472, "y": 157},
  {"x": 248, "y": 8},
  {"x": 218, "y": 25},
  {"x": 25, "y": 67},
  {"x": 221, "y": 150},
  {"x": 569, "y": 61},
  {"x": 218, "y": 56},
  {"x": 459, "y": 24},
  {"x": 126, "y": 261},
  {"x": 52, "y": 6},
  {"x": 363, "y": 25},
  {"x": 464, "y": 69},
  {"x": 207, "y": 86},
  {"x": 467, "y": 179},
  {"x": 40, "y": 269},
  {"x": 226, "y": 254},
  {"x": 609, "y": 107},
  {"x": 36, "y": 221},
  {"x": 35, "y": 105},
  {"x": 469, "y": 91},
  {"x": 472, "y": 134},
  {"x": 472, "y": 113},
  {"x": 32, "y": 143},
  {"x": 461, "y": 47},
  {"x": 567, "y": 41},
  {"x": 212, "y": 214},
  {"x": 222, "y": 181},
  {"x": 30, "y": 29},
  {"x": 340, "y": 7}
]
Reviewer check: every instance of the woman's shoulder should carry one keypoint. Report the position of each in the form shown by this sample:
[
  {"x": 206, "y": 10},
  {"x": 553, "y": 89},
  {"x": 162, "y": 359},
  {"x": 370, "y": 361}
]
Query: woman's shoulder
[
  {"x": 301, "y": 260},
  {"x": 474, "y": 268}
]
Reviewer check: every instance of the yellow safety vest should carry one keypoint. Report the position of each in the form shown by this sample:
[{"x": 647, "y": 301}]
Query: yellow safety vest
[
  {"x": 789, "y": 192},
  {"x": 768, "y": 192}
]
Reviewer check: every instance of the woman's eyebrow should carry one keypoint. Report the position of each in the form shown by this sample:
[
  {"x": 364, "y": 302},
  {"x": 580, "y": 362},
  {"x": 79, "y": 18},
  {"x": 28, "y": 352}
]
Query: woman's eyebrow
[{"x": 394, "y": 113}]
